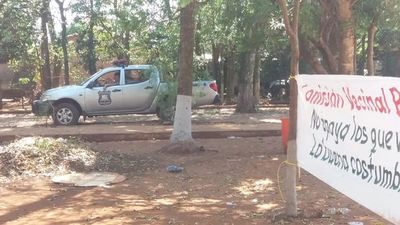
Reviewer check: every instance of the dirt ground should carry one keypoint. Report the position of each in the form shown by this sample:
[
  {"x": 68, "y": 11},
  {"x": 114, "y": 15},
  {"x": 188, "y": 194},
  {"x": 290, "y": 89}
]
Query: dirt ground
[{"x": 234, "y": 182}]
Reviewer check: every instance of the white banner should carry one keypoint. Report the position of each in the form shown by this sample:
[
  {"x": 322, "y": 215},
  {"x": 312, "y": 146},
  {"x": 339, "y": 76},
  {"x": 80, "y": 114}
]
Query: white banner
[{"x": 348, "y": 135}]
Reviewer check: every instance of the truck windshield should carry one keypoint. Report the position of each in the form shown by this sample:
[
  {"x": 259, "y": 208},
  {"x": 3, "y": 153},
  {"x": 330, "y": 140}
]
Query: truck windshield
[{"x": 87, "y": 80}]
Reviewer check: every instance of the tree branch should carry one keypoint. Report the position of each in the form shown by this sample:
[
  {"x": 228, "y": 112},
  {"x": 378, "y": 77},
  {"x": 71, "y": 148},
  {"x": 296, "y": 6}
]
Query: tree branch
[
  {"x": 295, "y": 25},
  {"x": 285, "y": 15}
]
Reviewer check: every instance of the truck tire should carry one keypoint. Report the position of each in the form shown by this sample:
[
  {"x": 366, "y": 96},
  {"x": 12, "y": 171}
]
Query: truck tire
[{"x": 65, "y": 114}]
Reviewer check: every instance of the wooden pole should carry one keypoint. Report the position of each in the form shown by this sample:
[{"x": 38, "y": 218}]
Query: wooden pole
[
  {"x": 291, "y": 194},
  {"x": 291, "y": 27}
]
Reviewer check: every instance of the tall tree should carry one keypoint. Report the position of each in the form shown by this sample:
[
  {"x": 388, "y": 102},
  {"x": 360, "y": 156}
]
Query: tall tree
[
  {"x": 322, "y": 42},
  {"x": 291, "y": 26},
  {"x": 181, "y": 138},
  {"x": 246, "y": 101},
  {"x": 44, "y": 46},
  {"x": 230, "y": 72},
  {"x": 374, "y": 16},
  {"x": 64, "y": 42},
  {"x": 256, "y": 74},
  {"x": 347, "y": 36},
  {"x": 55, "y": 58},
  {"x": 334, "y": 41},
  {"x": 255, "y": 15}
]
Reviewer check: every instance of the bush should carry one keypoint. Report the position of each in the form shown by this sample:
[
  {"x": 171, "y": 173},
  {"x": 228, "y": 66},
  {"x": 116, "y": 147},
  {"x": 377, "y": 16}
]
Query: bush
[{"x": 167, "y": 101}]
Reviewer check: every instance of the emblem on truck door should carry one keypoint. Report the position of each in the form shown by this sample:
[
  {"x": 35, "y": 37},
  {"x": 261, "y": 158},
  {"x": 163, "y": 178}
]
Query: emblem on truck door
[{"x": 104, "y": 97}]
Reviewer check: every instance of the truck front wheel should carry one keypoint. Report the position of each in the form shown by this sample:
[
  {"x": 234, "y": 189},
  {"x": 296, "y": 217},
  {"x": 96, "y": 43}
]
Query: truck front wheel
[{"x": 65, "y": 114}]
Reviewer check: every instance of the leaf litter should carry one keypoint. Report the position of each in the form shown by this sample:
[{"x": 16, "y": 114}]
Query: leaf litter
[{"x": 44, "y": 156}]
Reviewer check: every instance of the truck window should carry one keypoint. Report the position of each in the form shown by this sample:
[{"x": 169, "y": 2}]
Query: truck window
[
  {"x": 111, "y": 79},
  {"x": 134, "y": 76}
]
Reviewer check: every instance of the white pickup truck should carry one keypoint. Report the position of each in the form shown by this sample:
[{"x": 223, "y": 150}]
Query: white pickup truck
[{"x": 133, "y": 89}]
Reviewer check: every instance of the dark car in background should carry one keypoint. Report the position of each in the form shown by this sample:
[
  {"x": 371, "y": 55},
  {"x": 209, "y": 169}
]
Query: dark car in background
[{"x": 278, "y": 91}]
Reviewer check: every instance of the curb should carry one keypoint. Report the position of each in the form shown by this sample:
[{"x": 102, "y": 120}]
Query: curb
[
  {"x": 21, "y": 111},
  {"x": 139, "y": 136},
  {"x": 15, "y": 111}
]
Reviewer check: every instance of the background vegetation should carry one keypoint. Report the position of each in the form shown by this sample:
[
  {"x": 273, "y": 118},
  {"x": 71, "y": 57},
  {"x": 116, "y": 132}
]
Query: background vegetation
[{"x": 49, "y": 43}]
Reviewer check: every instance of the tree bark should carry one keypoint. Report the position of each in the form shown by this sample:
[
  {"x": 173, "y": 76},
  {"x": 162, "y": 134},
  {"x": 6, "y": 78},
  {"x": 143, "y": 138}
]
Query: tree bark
[
  {"x": 246, "y": 100},
  {"x": 256, "y": 74},
  {"x": 328, "y": 38},
  {"x": 64, "y": 42},
  {"x": 345, "y": 18},
  {"x": 222, "y": 84},
  {"x": 310, "y": 55},
  {"x": 216, "y": 67},
  {"x": 56, "y": 64},
  {"x": 1, "y": 92},
  {"x": 370, "y": 49},
  {"x": 182, "y": 132},
  {"x": 230, "y": 74},
  {"x": 44, "y": 47}
]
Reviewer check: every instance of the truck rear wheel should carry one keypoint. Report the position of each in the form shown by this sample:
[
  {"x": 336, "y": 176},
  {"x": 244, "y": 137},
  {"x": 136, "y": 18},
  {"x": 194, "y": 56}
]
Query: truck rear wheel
[{"x": 65, "y": 114}]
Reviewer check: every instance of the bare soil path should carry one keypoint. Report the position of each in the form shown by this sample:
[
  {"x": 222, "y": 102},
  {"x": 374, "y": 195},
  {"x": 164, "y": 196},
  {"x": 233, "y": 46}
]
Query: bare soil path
[{"x": 234, "y": 182}]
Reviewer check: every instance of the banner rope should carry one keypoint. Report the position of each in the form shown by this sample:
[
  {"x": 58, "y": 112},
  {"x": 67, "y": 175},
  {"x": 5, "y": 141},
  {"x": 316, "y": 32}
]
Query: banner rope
[{"x": 277, "y": 175}]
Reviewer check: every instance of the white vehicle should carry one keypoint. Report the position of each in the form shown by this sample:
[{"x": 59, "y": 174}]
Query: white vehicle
[{"x": 133, "y": 89}]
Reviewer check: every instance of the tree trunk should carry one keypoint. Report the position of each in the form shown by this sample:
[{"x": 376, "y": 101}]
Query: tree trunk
[
  {"x": 310, "y": 55},
  {"x": 57, "y": 64},
  {"x": 1, "y": 92},
  {"x": 292, "y": 31},
  {"x": 230, "y": 74},
  {"x": 256, "y": 74},
  {"x": 362, "y": 59},
  {"x": 216, "y": 67},
  {"x": 370, "y": 49},
  {"x": 346, "y": 55},
  {"x": 246, "y": 101},
  {"x": 44, "y": 47},
  {"x": 64, "y": 42},
  {"x": 222, "y": 74},
  {"x": 328, "y": 38},
  {"x": 182, "y": 133},
  {"x": 90, "y": 42}
]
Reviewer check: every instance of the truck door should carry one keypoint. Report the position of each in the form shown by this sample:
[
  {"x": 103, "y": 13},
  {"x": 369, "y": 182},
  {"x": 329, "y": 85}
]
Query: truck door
[
  {"x": 139, "y": 89},
  {"x": 105, "y": 97}
]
